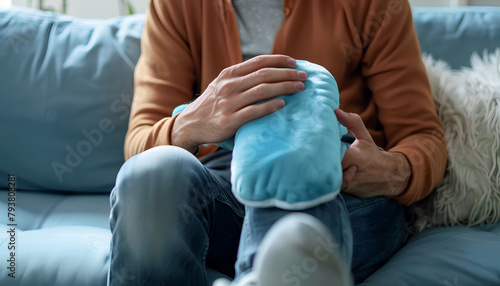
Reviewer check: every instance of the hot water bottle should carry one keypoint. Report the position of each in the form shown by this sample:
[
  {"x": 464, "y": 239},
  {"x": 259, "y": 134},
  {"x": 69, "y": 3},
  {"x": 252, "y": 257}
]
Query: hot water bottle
[{"x": 291, "y": 159}]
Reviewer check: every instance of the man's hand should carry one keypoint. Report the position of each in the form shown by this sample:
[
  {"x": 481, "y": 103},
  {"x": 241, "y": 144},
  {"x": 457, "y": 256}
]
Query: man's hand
[
  {"x": 369, "y": 171},
  {"x": 229, "y": 101}
]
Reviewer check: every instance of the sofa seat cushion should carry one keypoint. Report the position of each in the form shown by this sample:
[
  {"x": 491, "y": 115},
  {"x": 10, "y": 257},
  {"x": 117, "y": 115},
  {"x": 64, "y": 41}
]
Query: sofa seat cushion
[
  {"x": 60, "y": 239},
  {"x": 45, "y": 210},
  {"x": 59, "y": 256},
  {"x": 445, "y": 256}
]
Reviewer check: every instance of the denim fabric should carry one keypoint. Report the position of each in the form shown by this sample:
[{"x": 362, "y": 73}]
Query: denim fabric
[
  {"x": 174, "y": 215},
  {"x": 259, "y": 220},
  {"x": 378, "y": 230},
  {"x": 164, "y": 210},
  {"x": 369, "y": 231}
]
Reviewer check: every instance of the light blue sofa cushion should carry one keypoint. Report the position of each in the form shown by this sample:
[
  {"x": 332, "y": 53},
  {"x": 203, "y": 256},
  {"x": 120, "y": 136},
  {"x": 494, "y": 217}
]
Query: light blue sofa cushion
[
  {"x": 453, "y": 34},
  {"x": 66, "y": 85},
  {"x": 445, "y": 256},
  {"x": 60, "y": 239}
]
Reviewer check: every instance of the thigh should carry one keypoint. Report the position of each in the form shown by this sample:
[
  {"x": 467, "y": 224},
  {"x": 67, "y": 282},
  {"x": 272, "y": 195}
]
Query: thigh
[{"x": 378, "y": 229}]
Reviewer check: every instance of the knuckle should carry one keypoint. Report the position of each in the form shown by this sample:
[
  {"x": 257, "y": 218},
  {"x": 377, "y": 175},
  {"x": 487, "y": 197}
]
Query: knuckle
[
  {"x": 226, "y": 87},
  {"x": 263, "y": 73},
  {"x": 259, "y": 90},
  {"x": 227, "y": 72},
  {"x": 223, "y": 104},
  {"x": 258, "y": 60},
  {"x": 356, "y": 116},
  {"x": 224, "y": 120}
]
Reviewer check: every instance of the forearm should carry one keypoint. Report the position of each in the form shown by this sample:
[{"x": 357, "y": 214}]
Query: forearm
[
  {"x": 397, "y": 79},
  {"x": 164, "y": 78},
  {"x": 396, "y": 174}
]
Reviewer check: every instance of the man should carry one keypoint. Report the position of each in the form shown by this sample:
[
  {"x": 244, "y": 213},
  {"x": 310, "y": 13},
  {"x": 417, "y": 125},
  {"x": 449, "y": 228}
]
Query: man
[{"x": 174, "y": 215}]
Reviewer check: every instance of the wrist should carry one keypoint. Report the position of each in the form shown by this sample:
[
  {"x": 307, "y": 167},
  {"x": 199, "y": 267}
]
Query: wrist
[
  {"x": 398, "y": 173},
  {"x": 180, "y": 136}
]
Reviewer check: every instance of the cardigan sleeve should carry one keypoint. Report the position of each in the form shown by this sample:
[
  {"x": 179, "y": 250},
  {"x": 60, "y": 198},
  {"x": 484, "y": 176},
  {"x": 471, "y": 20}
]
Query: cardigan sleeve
[
  {"x": 164, "y": 78},
  {"x": 400, "y": 88}
]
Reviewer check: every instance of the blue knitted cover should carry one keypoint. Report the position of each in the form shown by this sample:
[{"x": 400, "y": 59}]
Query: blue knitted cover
[{"x": 291, "y": 159}]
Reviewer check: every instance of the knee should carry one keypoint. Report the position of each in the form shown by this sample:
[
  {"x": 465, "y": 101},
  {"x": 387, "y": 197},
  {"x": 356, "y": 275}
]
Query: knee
[
  {"x": 155, "y": 175},
  {"x": 147, "y": 199}
]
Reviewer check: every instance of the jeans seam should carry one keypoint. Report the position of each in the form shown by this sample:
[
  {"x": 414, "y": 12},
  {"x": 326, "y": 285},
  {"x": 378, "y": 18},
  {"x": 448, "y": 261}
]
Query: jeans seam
[
  {"x": 248, "y": 239},
  {"x": 204, "y": 259},
  {"x": 221, "y": 195}
]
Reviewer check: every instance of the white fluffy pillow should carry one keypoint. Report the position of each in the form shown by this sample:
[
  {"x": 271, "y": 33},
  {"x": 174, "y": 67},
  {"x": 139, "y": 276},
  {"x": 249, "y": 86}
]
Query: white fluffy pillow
[{"x": 468, "y": 103}]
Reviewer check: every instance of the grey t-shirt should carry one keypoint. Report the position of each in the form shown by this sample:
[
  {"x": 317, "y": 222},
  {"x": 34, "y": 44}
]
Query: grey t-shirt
[{"x": 258, "y": 23}]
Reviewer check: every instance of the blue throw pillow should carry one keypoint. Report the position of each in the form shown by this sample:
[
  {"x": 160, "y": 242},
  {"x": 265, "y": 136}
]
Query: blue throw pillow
[
  {"x": 66, "y": 85},
  {"x": 442, "y": 30},
  {"x": 291, "y": 159}
]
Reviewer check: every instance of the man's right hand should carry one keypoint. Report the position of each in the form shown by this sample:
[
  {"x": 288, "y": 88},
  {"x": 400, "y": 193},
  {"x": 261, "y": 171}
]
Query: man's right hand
[{"x": 230, "y": 100}]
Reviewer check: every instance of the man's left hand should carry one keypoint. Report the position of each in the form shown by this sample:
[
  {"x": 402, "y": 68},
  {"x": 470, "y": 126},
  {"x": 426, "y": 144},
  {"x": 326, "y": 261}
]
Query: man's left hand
[{"x": 367, "y": 170}]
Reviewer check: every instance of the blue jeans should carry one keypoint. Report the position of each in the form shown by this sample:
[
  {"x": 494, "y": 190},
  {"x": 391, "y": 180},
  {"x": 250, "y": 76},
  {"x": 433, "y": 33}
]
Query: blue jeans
[{"x": 172, "y": 216}]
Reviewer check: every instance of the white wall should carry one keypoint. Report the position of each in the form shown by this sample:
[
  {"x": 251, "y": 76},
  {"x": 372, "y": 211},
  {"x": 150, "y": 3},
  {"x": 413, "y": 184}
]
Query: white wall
[
  {"x": 484, "y": 2},
  {"x": 441, "y": 3},
  {"x": 90, "y": 8},
  {"x": 111, "y": 8}
]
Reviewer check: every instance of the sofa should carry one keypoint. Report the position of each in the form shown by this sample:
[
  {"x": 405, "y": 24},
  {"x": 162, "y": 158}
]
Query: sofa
[{"x": 66, "y": 85}]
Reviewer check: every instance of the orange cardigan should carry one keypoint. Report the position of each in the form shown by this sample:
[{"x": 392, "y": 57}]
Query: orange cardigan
[{"x": 370, "y": 47}]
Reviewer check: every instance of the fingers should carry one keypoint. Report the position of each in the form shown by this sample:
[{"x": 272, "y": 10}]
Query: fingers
[
  {"x": 268, "y": 83},
  {"x": 255, "y": 111},
  {"x": 230, "y": 100},
  {"x": 258, "y": 79},
  {"x": 268, "y": 91},
  {"x": 271, "y": 75},
  {"x": 354, "y": 124},
  {"x": 260, "y": 62}
]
